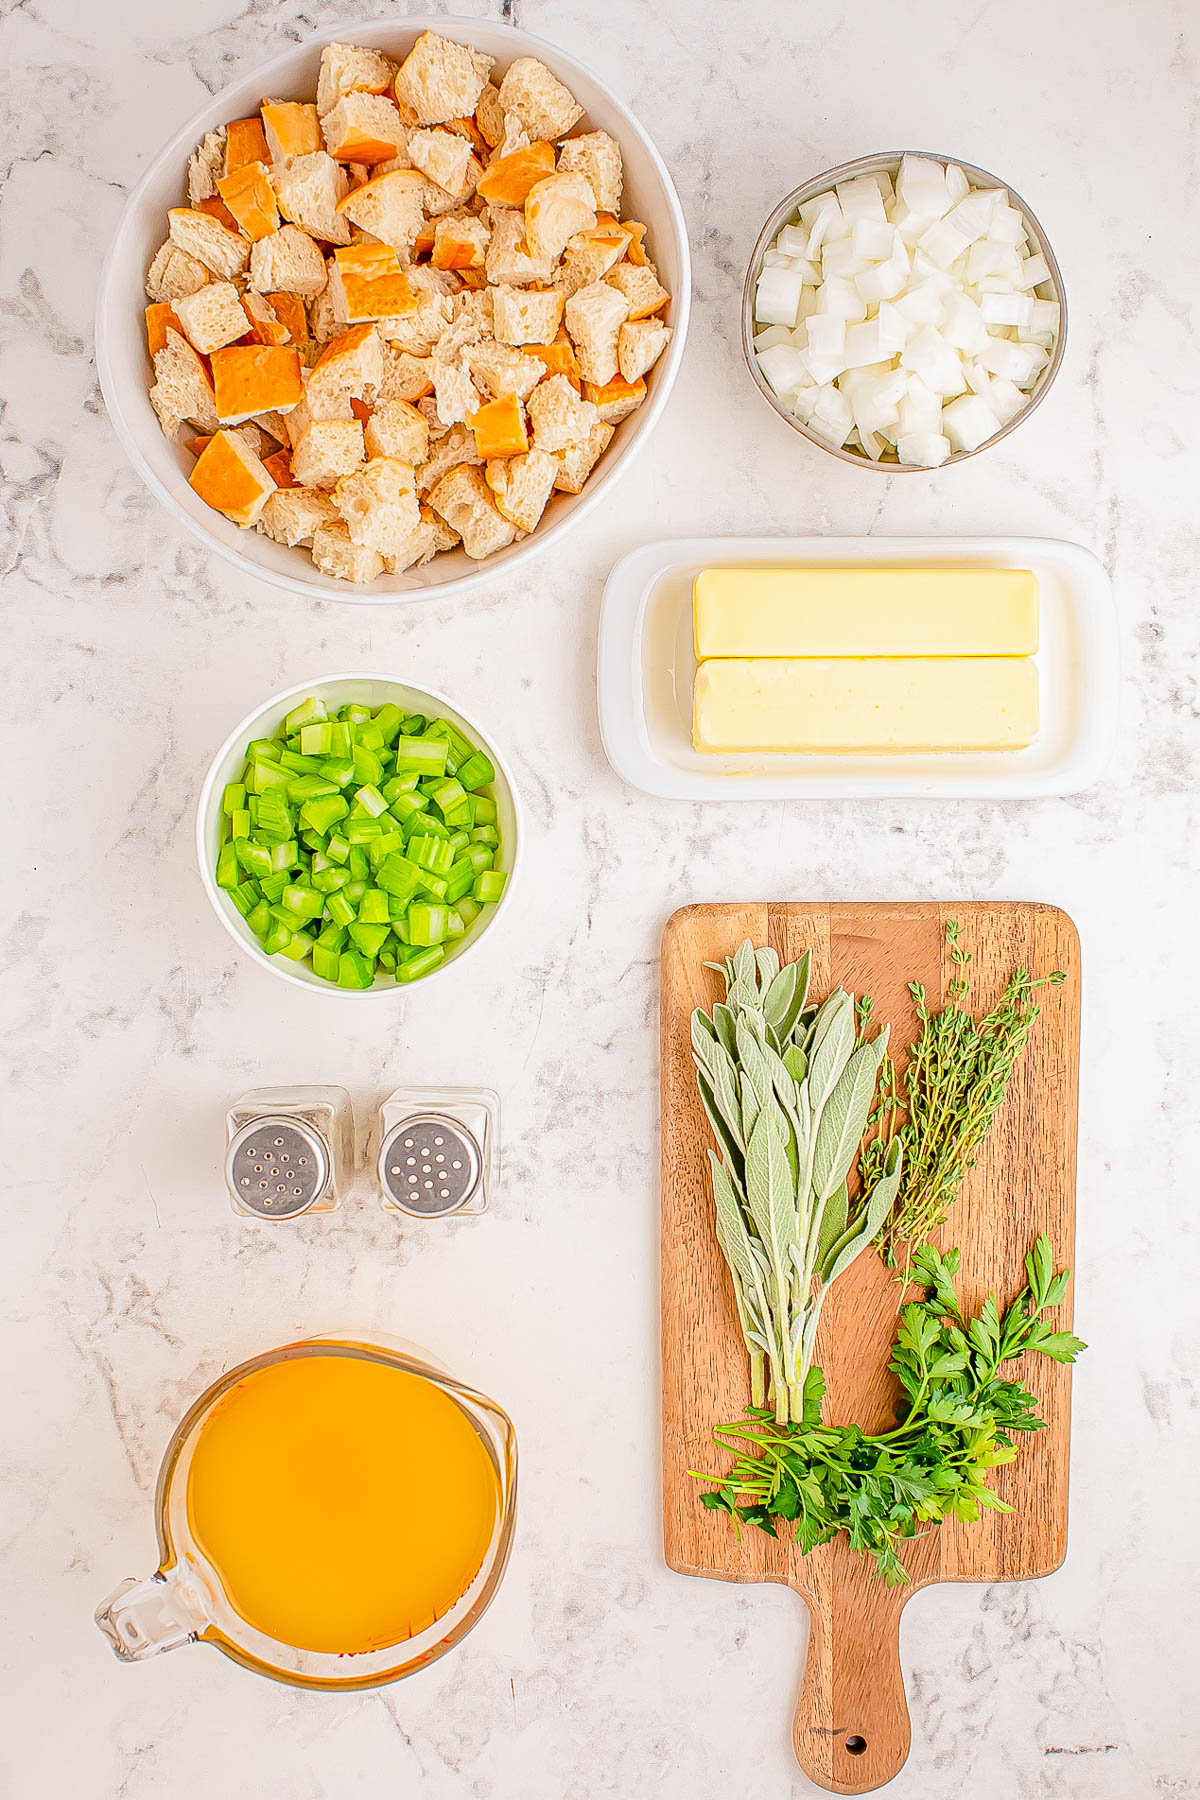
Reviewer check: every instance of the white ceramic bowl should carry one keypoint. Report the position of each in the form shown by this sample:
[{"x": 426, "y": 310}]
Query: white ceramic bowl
[
  {"x": 126, "y": 375},
  {"x": 337, "y": 690}
]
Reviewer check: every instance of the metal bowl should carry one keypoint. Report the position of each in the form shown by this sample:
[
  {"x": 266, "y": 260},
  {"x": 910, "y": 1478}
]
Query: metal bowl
[{"x": 890, "y": 160}]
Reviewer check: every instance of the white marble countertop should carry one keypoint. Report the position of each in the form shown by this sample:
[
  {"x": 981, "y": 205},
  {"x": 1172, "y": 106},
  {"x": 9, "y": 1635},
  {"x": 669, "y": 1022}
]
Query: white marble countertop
[{"x": 132, "y": 1021}]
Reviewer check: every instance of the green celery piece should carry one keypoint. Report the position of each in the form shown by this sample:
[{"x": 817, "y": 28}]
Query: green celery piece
[
  {"x": 228, "y": 866},
  {"x": 298, "y": 947},
  {"x": 433, "y": 887},
  {"x": 373, "y": 907},
  {"x": 259, "y": 919},
  {"x": 284, "y": 856},
  {"x": 485, "y": 834},
  {"x": 485, "y": 809},
  {"x": 387, "y": 958},
  {"x": 427, "y": 923},
  {"x": 477, "y": 771},
  {"x": 309, "y": 712},
  {"x": 454, "y": 924},
  {"x": 263, "y": 775},
  {"x": 371, "y": 801},
  {"x": 245, "y": 897},
  {"x": 388, "y": 721},
  {"x": 368, "y": 767},
  {"x": 407, "y": 807},
  {"x": 398, "y": 876},
  {"x": 306, "y": 903},
  {"x": 434, "y": 854},
  {"x": 414, "y": 725},
  {"x": 424, "y": 753},
  {"x": 355, "y": 889},
  {"x": 263, "y": 750},
  {"x": 233, "y": 798},
  {"x": 380, "y": 848},
  {"x": 356, "y": 713},
  {"x": 489, "y": 886},
  {"x": 254, "y": 858},
  {"x": 272, "y": 885},
  {"x": 358, "y": 864},
  {"x": 360, "y": 830},
  {"x": 239, "y": 824},
  {"x": 370, "y": 737},
  {"x": 460, "y": 880},
  {"x": 399, "y": 784},
  {"x": 315, "y": 739},
  {"x": 311, "y": 787},
  {"x": 370, "y": 939},
  {"x": 425, "y": 825},
  {"x": 400, "y": 926},
  {"x": 299, "y": 765},
  {"x": 468, "y": 909},
  {"x": 355, "y": 970},
  {"x": 447, "y": 795},
  {"x": 337, "y": 847},
  {"x": 340, "y": 740},
  {"x": 277, "y": 938},
  {"x": 458, "y": 840},
  {"x": 326, "y": 963},
  {"x": 312, "y": 841},
  {"x": 413, "y": 967},
  {"x": 328, "y": 881},
  {"x": 479, "y": 856},
  {"x": 339, "y": 770},
  {"x": 323, "y": 812},
  {"x": 341, "y": 910},
  {"x": 332, "y": 937}
]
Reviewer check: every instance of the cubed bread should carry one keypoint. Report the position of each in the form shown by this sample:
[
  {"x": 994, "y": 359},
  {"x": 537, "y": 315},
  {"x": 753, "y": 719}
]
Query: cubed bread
[
  {"x": 489, "y": 115},
  {"x": 559, "y": 417},
  {"x": 455, "y": 392},
  {"x": 419, "y": 330},
  {"x": 555, "y": 210},
  {"x": 349, "y": 368},
  {"x": 598, "y": 156},
  {"x": 250, "y": 198},
  {"x": 159, "y": 317},
  {"x": 223, "y": 252},
  {"x": 589, "y": 256},
  {"x": 499, "y": 369},
  {"x": 509, "y": 258},
  {"x": 616, "y": 399},
  {"x": 444, "y": 536},
  {"x": 418, "y": 547},
  {"x": 265, "y": 325},
  {"x": 291, "y": 515},
  {"x": 308, "y": 189},
  {"x": 279, "y": 467},
  {"x": 594, "y": 317},
  {"x": 464, "y": 500},
  {"x": 229, "y": 477},
  {"x": 323, "y": 322},
  {"x": 363, "y": 128},
  {"x": 507, "y": 179},
  {"x": 174, "y": 273},
  {"x": 499, "y": 428},
  {"x": 443, "y": 156},
  {"x": 335, "y": 553},
  {"x": 639, "y": 285},
  {"x": 405, "y": 377},
  {"x": 206, "y": 165},
  {"x": 287, "y": 260},
  {"x": 245, "y": 142},
  {"x": 329, "y": 449},
  {"x": 182, "y": 389},
  {"x": 440, "y": 79},
  {"x": 367, "y": 282},
  {"x": 379, "y": 504},
  {"x": 289, "y": 310},
  {"x": 212, "y": 317},
  {"x": 546, "y": 107},
  {"x": 390, "y": 207},
  {"x": 640, "y": 344},
  {"x": 457, "y": 445},
  {"x": 351, "y": 69},
  {"x": 291, "y": 128},
  {"x": 526, "y": 315},
  {"x": 395, "y": 428},
  {"x": 522, "y": 485},
  {"x": 460, "y": 242},
  {"x": 577, "y": 461},
  {"x": 255, "y": 378}
]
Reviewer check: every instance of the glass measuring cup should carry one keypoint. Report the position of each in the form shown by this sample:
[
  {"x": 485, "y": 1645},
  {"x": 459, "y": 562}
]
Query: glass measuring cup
[{"x": 185, "y": 1600}]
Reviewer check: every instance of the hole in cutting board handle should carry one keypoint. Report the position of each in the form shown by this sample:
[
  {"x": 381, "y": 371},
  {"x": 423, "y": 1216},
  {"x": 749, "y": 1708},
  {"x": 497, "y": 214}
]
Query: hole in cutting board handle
[{"x": 856, "y": 1745}]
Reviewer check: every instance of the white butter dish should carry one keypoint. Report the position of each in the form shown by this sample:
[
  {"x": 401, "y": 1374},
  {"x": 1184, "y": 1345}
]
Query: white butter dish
[{"x": 647, "y": 666}]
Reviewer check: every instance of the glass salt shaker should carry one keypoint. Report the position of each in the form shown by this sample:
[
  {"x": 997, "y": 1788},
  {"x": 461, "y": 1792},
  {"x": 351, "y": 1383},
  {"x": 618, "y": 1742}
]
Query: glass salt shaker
[
  {"x": 290, "y": 1151},
  {"x": 437, "y": 1151}
]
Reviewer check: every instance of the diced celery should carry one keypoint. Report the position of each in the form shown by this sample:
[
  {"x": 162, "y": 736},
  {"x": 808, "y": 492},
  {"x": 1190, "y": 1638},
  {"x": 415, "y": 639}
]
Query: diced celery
[
  {"x": 273, "y": 885},
  {"x": 448, "y": 795},
  {"x": 357, "y": 863},
  {"x": 398, "y": 876},
  {"x": 357, "y": 713},
  {"x": 489, "y": 886},
  {"x": 425, "y": 825},
  {"x": 277, "y": 938},
  {"x": 359, "y": 830},
  {"x": 413, "y": 967},
  {"x": 306, "y": 903},
  {"x": 309, "y": 712},
  {"x": 328, "y": 881},
  {"x": 254, "y": 858},
  {"x": 285, "y": 856},
  {"x": 341, "y": 910},
  {"x": 432, "y": 886},
  {"x": 427, "y": 923},
  {"x": 355, "y": 970},
  {"x": 479, "y": 856},
  {"x": 370, "y": 939},
  {"x": 432, "y": 853},
  {"x": 399, "y": 784},
  {"x": 406, "y": 807},
  {"x": 485, "y": 834},
  {"x": 477, "y": 771},
  {"x": 371, "y": 801},
  {"x": 340, "y": 740},
  {"x": 259, "y": 919},
  {"x": 468, "y": 909},
  {"x": 323, "y": 812},
  {"x": 239, "y": 824},
  {"x": 373, "y": 907},
  {"x": 339, "y": 770},
  {"x": 299, "y": 765},
  {"x": 426, "y": 754},
  {"x": 316, "y": 739},
  {"x": 454, "y": 924},
  {"x": 259, "y": 748},
  {"x": 460, "y": 880},
  {"x": 388, "y": 720},
  {"x": 326, "y": 963},
  {"x": 485, "y": 810},
  {"x": 337, "y": 848},
  {"x": 233, "y": 798},
  {"x": 368, "y": 767},
  {"x": 298, "y": 946},
  {"x": 332, "y": 937}
]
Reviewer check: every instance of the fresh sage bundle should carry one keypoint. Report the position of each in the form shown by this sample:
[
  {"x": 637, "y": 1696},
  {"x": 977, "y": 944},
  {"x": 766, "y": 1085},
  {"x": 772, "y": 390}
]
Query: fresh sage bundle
[{"x": 788, "y": 1087}]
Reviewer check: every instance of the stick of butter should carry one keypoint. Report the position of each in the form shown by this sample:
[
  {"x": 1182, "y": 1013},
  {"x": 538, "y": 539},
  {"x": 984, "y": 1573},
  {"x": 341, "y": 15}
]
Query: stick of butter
[
  {"x": 865, "y": 612},
  {"x": 881, "y": 704}
]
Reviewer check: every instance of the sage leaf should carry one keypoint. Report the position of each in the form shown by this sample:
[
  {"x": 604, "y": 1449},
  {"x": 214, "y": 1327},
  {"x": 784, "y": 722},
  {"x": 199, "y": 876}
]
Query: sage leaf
[{"x": 844, "y": 1119}]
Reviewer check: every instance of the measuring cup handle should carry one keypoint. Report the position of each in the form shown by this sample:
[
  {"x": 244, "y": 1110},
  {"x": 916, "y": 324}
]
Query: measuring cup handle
[{"x": 144, "y": 1618}]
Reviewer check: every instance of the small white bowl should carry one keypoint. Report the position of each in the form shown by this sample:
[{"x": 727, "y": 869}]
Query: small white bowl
[
  {"x": 125, "y": 371},
  {"x": 338, "y": 690}
]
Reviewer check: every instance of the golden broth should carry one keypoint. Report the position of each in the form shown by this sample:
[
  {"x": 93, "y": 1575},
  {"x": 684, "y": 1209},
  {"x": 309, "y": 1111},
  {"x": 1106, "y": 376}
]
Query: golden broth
[{"x": 345, "y": 1504}]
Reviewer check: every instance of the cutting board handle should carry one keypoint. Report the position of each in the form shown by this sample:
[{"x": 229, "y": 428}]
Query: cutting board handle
[{"x": 852, "y": 1729}]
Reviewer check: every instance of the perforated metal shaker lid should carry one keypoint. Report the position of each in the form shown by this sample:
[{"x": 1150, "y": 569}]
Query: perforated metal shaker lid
[
  {"x": 277, "y": 1167},
  {"x": 430, "y": 1164}
]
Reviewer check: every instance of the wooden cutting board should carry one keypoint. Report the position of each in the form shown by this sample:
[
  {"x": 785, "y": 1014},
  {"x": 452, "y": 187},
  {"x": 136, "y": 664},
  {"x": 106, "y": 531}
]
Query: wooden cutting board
[{"x": 851, "y": 1729}]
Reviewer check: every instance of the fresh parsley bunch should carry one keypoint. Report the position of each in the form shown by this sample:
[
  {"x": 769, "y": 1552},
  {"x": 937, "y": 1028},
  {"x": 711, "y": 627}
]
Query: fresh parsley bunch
[{"x": 954, "y": 1425}]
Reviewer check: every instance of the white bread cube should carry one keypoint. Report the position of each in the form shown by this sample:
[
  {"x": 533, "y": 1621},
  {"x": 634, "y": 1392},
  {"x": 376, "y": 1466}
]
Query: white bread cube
[
  {"x": 522, "y": 486},
  {"x": 329, "y": 449},
  {"x": 639, "y": 345},
  {"x": 419, "y": 547},
  {"x": 577, "y": 461},
  {"x": 390, "y": 207},
  {"x": 594, "y": 317},
  {"x": 555, "y": 209},
  {"x": 464, "y": 500},
  {"x": 323, "y": 322},
  {"x": 206, "y": 165},
  {"x": 212, "y": 317},
  {"x": 460, "y": 242},
  {"x": 396, "y": 429},
  {"x": 379, "y": 504},
  {"x": 363, "y": 128},
  {"x": 527, "y": 315},
  {"x": 287, "y": 262},
  {"x": 456, "y": 394},
  {"x": 291, "y": 515},
  {"x": 640, "y": 286},
  {"x": 418, "y": 331},
  {"x": 335, "y": 553},
  {"x": 173, "y": 274},
  {"x": 489, "y": 115},
  {"x": 508, "y": 258},
  {"x": 589, "y": 256},
  {"x": 351, "y": 367},
  {"x": 308, "y": 189},
  {"x": 405, "y": 377},
  {"x": 546, "y": 108},
  {"x": 443, "y": 156},
  {"x": 454, "y": 447},
  {"x": 598, "y": 156},
  {"x": 440, "y": 79},
  {"x": 498, "y": 369},
  {"x": 222, "y": 251},
  {"x": 560, "y": 419},
  {"x": 351, "y": 69},
  {"x": 181, "y": 388}
]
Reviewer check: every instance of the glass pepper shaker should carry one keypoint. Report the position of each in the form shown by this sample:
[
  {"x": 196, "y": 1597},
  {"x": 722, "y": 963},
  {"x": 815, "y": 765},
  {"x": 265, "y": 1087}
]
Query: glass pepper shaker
[
  {"x": 437, "y": 1151},
  {"x": 290, "y": 1151}
]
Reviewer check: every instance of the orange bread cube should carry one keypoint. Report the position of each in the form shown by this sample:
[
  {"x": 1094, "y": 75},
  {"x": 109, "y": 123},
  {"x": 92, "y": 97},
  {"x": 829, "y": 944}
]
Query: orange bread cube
[
  {"x": 363, "y": 128},
  {"x": 216, "y": 208},
  {"x": 459, "y": 243},
  {"x": 158, "y": 317},
  {"x": 558, "y": 358},
  {"x": 289, "y": 310},
  {"x": 292, "y": 129},
  {"x": 279, "y": 468},
  {"x": 616, "y": 399},
  {"x": 508, "y": 179},
  {"x": 231, "y": 479},
  {"x": 265, "y": 325},
  {"x": 637, "y": 234},
  {"x": 366, "y": 282},
  {"x": 245, "y": 142},
  {"x": 499, "y": 428},
  {"x": 255, "y": 378},
  {"x": 251, "y": 199}
]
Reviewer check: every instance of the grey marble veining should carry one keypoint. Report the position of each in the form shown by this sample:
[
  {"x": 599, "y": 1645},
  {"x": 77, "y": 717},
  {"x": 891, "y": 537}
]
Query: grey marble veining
[{"x": 131, "y": 1020}]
